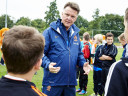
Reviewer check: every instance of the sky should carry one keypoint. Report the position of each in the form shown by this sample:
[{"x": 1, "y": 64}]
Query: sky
[{"x": 34, "y": 9}]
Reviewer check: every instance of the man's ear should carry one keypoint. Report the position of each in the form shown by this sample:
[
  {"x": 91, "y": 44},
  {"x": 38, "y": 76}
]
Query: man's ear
[
  {"x": 38, "y": 64},
  {"x": 3, "y": 57}
]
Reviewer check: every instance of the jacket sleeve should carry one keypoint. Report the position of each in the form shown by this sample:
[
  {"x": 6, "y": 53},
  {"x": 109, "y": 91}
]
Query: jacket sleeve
[
  {"x": 101, "y": 51},
  {"x": 116, "y": 84},
  {"x": 98, "y": 53},
  {"x": 81, "y": 60},
  {"x": 45, "y": 59}
]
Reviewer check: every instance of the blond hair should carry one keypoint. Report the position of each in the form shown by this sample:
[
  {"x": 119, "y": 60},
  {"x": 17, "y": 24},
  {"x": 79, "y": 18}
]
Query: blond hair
[
  {"x": 121, "y": 37},
  {"x": 99, "y": 37},
  {"x": 126, "y": 15}
]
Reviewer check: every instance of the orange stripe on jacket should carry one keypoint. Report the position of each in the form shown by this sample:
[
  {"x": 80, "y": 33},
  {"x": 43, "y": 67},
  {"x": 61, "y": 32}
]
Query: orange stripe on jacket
[{"x": 38, "y": 91}]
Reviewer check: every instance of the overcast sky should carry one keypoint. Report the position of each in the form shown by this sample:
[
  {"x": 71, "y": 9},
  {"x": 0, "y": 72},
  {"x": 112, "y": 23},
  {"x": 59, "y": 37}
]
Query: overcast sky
[{"x": 34, "y": 9}]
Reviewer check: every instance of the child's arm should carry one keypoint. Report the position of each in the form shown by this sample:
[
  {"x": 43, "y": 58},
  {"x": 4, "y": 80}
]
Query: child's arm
[{"x": 105, "y": 57}]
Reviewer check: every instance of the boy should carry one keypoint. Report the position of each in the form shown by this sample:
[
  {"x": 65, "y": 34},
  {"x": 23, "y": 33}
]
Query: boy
[
  {"x": 22, "y": 51},
  {"x": 97, "y": 66},
  {"x": 117, "y": 80},
  {"x": 107, "y": 55},
  {"x": 83, "y": 78},
  {"x": 122, "y": 40}
]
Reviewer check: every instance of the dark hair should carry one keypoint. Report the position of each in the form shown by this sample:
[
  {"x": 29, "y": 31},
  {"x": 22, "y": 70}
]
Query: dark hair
[
  {"x": 73, "y": 5},
  {"x": 86, "y": 36},
  {"x": 22, "y": 47},
  {"x": 109, "y": 35}
]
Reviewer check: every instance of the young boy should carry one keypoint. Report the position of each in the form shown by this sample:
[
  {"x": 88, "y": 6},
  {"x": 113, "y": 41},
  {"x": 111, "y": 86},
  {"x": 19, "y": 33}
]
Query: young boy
[
  {"x": 22, "y": 49},
  {"x": 97, "y": 66},
  {"x": 107, "y": 55},
  {"x": 117, "y": 80},
  {"x": 123, "y": 42},
  {"x": 83, "y": 78}
]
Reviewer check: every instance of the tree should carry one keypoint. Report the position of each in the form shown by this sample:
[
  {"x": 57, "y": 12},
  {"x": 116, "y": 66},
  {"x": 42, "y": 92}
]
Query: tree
[
  {"x": 95, "y": 24},
  {"x": 9, "y": 21},
  {"x": 81, "y": 22},
  {"x": 96, "y": 14},
  {"x": 24, "y": 21},
  {"x": 82, "y": 30},
  {"x": 112, "y": 22},
  {"x": 52, "y": 14},
  {"x": 39, "y": 24}
]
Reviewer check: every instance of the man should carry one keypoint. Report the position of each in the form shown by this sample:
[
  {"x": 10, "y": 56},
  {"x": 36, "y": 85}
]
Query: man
[
  {"x": 117, "y": 80},
  {"x": 63, "y": 48},
  {"x": 22, "y": 51}
]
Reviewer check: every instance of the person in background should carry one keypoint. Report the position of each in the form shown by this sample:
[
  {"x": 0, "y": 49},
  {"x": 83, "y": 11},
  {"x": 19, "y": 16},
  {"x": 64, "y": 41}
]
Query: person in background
[
  {"x": 83, "y": 78},
  {"x": 123, "y": 42},
  {"x": 2, "y": 32},
  {"x": 117, "y": 79},
  {"x": 107, "y": 55},
  {"x": 21, "y": 63},
  {"x": 62, "y": 53},
  {"x": 104, "y": 41},
  {"x": 97, "y": 66}
]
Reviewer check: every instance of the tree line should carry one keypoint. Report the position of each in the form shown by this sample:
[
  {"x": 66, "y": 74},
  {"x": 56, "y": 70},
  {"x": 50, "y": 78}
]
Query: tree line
[{"x": 99, "y": 24}]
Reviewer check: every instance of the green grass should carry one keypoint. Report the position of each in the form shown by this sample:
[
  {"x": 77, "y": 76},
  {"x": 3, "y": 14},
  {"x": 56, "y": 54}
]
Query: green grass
[{"x": 37, "y": 79}]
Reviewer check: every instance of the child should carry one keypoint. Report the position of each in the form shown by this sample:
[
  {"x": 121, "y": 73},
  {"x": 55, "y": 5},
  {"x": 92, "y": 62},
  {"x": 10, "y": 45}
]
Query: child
[
  {"x": 117, "y": 80},
  {"x": 22, "y": 51},
  {"x": 83, "y": 78},
  {"x": 97, "y": 66},
  {"x": 107, "y": 55},
  {"x": 122, "y": 40}
]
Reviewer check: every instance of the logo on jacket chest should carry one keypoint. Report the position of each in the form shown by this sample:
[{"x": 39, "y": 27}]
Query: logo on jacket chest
[
  {"x": 75, "y": 38},
  {"x": 56, "y": 36}
]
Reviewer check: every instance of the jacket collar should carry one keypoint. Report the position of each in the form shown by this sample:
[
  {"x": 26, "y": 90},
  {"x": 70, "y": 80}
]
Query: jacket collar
[
  {"x": 55, "y": 25},
  {"x": 125, "y": 60}
]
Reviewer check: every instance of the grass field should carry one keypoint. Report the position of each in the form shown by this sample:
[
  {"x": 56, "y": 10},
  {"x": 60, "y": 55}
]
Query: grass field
[{"x": 37, "y": 79}]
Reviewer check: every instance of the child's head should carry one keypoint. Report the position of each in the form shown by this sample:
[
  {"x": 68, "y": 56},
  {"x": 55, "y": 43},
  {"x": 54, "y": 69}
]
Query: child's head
[
  {"x": 98, "y": 38},
  {"x": 22, "y": 48},
  {"x": 86, "y": 37},
  {"x": 121, "y": 39},
  {"x": 109, "y": 38},
  {"x": 126, "y": 25}
]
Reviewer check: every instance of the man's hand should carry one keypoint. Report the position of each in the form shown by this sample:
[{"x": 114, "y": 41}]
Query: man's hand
[
  {"x": 87, "y": 68},
  {"x": 53, "y": 69}
]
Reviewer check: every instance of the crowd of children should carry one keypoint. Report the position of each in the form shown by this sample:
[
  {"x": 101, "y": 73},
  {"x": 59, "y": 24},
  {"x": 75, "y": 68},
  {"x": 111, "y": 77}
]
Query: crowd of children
[{"x": 103, "y": 53}]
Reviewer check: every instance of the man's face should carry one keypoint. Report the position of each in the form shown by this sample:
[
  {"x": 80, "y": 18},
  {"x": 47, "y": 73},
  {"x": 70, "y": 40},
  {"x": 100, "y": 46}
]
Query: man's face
[
  {"x": 109, "y": 40},
  {"x": 69, "y": 16}
]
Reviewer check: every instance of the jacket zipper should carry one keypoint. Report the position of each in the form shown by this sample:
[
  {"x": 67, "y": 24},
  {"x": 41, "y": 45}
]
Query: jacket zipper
[
  {"x": 69, "y": 56},
  {"x": 69, "y": 68}
]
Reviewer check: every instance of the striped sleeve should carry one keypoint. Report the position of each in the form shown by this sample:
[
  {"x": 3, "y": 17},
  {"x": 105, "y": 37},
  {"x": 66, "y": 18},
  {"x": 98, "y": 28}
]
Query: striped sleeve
[{"x": 109, "y": 77}]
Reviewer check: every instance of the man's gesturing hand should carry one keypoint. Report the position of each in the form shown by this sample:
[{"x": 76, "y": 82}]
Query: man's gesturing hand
[
  {"x": 53, "y": 69},
  {"x": 87, "y": 68}
]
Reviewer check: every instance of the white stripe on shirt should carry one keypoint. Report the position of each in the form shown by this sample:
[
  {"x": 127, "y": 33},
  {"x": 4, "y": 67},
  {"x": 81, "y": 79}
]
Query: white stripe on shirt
[{"x": 109, "y": 77}]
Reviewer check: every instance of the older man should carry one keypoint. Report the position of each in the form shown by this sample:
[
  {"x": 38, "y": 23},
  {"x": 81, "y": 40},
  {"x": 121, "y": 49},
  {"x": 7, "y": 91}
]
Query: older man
[{"x": 62, "y": 54}]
